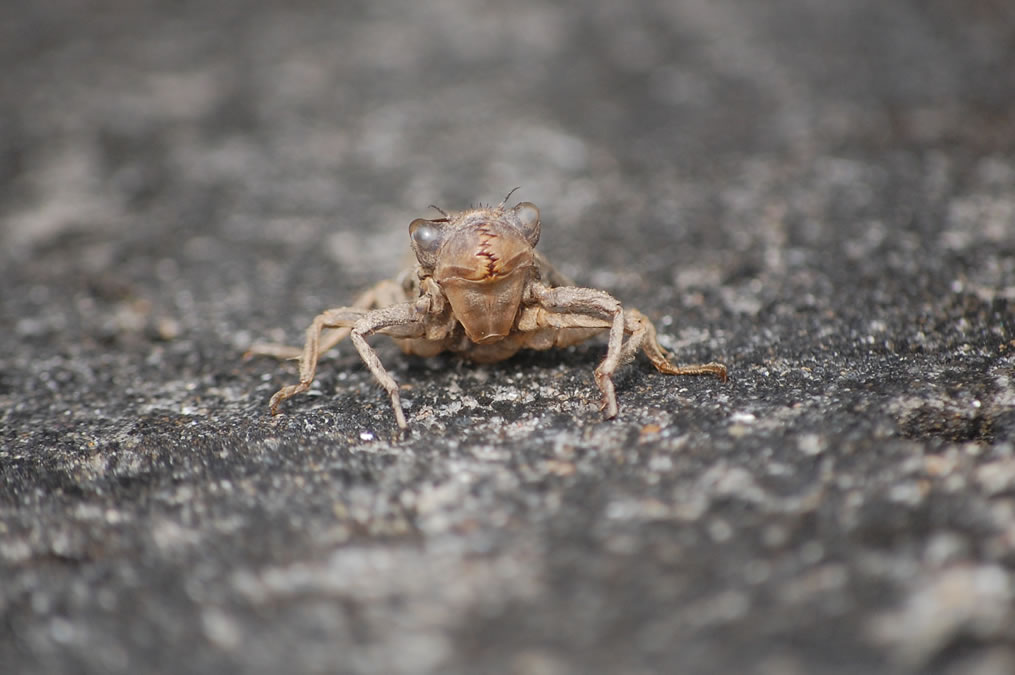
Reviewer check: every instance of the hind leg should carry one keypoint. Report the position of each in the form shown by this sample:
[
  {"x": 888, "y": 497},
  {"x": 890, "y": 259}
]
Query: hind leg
[
  {"x": 384, "y": 294},
  {"x": 643, "y": 334}
]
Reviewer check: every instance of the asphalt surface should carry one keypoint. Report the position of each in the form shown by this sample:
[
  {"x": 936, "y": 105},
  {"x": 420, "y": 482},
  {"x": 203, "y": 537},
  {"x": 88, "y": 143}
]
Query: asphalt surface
[{"x": 819, "y": 194}]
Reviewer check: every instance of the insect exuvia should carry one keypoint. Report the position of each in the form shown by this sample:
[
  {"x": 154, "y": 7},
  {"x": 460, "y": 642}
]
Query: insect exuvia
[{"x": 481, "y": 290}]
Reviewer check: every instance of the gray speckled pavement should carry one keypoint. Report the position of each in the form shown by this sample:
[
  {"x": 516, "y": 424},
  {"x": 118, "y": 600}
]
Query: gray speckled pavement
[{"x": 819, "y": 194}]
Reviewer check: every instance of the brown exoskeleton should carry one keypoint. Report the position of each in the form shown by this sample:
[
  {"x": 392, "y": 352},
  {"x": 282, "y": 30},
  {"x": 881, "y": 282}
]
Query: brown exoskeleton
[{"x": 480, "y": 290}]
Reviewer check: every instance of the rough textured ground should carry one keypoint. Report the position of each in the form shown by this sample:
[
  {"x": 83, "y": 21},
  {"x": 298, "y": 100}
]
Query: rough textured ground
[{"x": 820, "y": 194}]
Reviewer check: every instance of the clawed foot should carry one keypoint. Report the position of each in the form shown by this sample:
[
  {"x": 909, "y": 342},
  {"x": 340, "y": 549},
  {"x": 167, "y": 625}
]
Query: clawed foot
[
  {"x": 717, "y": 369},
  {"x": 286, "y": 392},
  {"x": 396, "y": 404},
  {"x": 609, "y": 405}
]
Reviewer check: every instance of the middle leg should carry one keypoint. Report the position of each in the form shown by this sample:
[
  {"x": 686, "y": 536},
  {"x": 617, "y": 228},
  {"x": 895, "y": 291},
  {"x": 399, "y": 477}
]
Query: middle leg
[{"x": 342, "y": 319}]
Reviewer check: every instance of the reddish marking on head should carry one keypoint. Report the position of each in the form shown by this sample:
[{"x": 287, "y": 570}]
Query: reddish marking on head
[{"x": 486, "y": 239}]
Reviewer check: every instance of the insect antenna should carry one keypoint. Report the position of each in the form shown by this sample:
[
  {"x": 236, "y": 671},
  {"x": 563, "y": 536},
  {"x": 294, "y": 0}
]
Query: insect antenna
[
  {"x": 439, "y": 210},
  {"x": 508, "y": 196}
]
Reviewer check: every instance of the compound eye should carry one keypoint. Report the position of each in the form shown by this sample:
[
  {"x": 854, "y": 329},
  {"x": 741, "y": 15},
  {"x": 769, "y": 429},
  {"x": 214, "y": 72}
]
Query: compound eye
[
  {"x": 528, "y": 219},
  {"x": 426, "y": 239}
]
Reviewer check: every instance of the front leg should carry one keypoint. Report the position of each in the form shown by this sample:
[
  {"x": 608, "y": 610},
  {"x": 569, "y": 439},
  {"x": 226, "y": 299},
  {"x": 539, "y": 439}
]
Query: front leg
[
  {"x": 401, "y": 321},
  {"x": 575, "y": 306}
]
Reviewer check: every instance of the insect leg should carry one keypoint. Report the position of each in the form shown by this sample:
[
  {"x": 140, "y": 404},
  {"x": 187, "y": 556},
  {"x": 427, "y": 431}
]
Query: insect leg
[
  {"x": 643, "y": 334},
  {"x": 383, "y": 294},
  {"x": 399, "y": 321},
  {"x": 575, "y": 306},
  {"x": 341, "y": 318}
]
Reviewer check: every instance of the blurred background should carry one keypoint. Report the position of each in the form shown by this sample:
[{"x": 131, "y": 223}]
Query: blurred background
[{"x": 276, "y": 152}]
